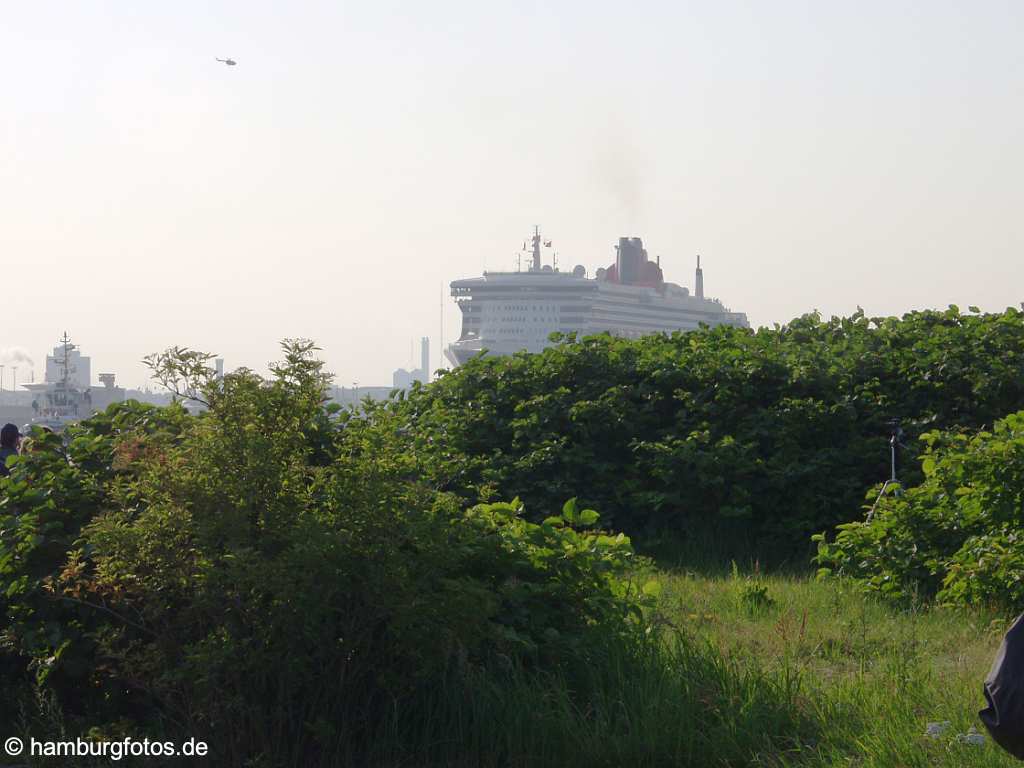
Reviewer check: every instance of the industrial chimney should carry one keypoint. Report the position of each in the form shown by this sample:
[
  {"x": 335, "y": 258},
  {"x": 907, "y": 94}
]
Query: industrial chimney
[{"x": 425, "y": 358}]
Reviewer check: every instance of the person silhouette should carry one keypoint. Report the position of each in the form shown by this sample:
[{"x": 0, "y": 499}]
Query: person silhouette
[{"x": 10, "y": 438}]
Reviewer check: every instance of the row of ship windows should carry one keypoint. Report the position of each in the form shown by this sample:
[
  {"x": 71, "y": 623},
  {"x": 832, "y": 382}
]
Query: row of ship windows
[
  {"x": 553, "y": 318},
  {"x": 551, "y": 321},
  {"x": 546, "y": 308},
  {"x": 539, "y": 334},
  {"x": 521, "y": 307},
  {"x": 566, "y": 329}
]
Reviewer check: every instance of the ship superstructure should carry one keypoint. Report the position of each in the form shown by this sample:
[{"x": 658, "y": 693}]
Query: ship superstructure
[
  {"x": 66, "y": 396},
  {"x": 505, "y": 312}
]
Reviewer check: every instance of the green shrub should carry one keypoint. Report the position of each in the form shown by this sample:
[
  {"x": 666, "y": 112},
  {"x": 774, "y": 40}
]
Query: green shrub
[
  {"x": 756, "y": 438},
  {"x": 957, "y": 536},
  {"x": 55, "y": 489},
  {"x": 276, "y": 574}
]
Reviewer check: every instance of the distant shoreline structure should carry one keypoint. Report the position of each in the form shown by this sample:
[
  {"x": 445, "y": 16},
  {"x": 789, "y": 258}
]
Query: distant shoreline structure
[
  {"x": 507, "y": 312},
  {"x": 67, "y": 393}
]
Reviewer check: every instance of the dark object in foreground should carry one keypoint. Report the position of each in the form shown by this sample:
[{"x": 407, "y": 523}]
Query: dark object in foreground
[{"x": 1004, "y": 692}]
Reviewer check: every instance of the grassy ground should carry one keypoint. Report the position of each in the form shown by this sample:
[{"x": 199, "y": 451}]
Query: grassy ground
[
  {"x": 869, "y": 676},
  {"x": 775, "y": 671}
]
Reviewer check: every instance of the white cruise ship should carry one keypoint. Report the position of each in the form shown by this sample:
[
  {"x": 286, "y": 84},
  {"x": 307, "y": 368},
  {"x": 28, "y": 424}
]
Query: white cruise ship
[{"x": 505, "y": 312}]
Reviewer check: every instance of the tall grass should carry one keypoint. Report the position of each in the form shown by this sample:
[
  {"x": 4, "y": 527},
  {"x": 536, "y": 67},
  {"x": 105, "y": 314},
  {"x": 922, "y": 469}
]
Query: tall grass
[
  {"x": 673, "y": 704},
  {"x": 754, "y": 670},
  {"x": 662, "y": 703},
  {"x": 871, "y": 677}
]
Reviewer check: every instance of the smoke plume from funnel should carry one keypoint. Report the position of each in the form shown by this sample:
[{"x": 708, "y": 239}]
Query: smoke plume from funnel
[
  {"x": 620, "y": 168},
  {"x": 15, "y": 356}
]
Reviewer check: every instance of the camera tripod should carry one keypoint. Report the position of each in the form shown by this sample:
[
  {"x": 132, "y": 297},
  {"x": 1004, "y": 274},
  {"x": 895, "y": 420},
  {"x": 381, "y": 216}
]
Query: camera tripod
[{"x": 896, "y": 436}]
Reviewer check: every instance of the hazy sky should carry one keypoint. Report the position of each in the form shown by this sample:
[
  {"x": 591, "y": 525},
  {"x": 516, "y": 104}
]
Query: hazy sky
[{"x": 361, "y": 155}]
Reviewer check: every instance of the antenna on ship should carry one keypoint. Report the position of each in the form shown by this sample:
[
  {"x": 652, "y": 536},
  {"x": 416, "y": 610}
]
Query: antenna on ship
[
  {"x": 65, "y": 341},
  {"x": 698, "y": 288},
  {"x": 536, "y": 249},
  {"x": 65, "y": 366}
]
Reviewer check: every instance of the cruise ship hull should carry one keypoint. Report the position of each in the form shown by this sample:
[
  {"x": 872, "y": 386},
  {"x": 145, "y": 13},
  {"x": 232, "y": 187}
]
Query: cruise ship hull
[{"x": 507, "y": 312}]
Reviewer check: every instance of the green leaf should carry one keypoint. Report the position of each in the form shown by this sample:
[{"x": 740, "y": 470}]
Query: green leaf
[
  {"x": 15, "y": 586},
  {"x": 652, "y": 588},
  {"x": 569, "y": 511},
  {"x": 588, "y": 517}
]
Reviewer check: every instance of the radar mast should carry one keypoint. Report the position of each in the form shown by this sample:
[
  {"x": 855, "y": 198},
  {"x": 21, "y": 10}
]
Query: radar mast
[
  {"x": 65, "y": 366},
  {"x": 536, "y": 249}
]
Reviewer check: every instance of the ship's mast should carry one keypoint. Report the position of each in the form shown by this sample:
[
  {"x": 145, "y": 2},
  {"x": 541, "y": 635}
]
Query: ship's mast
[
  {"x": 66, "y": 343},
  {"x": 536, "y": 249},
  {"x": 65, "y": 365}
]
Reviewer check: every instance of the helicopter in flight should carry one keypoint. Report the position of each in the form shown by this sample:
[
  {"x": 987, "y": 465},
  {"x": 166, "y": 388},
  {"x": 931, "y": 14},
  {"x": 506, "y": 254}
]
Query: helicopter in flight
[{"x": 229, "y": 62}]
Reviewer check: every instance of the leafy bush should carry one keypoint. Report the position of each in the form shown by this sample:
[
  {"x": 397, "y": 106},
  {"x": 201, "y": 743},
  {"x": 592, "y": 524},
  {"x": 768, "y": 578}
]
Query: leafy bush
[
  {"x": 55, "y": 489},
  {"x": 276, "y": 573},
  {"x": 957, "y": 536},
  {"x": 764, "y": 437}
]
